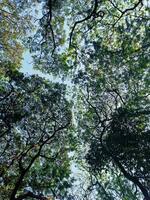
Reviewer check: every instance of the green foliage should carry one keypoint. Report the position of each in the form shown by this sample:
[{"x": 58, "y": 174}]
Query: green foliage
[
  {"x": 15, "y": 23},
  {"x": 34, "y": 117},
  {"x": 102, "y": 47}
]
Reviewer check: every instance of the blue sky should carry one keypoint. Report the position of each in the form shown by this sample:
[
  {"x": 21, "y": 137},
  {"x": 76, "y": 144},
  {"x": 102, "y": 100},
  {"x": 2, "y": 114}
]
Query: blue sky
[{"x": 27, "y": 68}]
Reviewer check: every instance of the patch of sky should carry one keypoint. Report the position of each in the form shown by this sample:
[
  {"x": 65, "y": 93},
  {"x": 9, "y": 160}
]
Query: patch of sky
[
  {"x": 27, "y": 68},
  {"x": 27, "y": 62}
]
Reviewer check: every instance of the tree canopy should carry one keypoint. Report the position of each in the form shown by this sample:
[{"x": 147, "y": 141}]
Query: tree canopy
[{"x": 98, "y": 122}]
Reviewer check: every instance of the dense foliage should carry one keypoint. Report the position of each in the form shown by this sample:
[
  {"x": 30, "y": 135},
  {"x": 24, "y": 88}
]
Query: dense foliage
[
  {"x": 34, "y": 118},
  {"x": 97, "y": 120}
]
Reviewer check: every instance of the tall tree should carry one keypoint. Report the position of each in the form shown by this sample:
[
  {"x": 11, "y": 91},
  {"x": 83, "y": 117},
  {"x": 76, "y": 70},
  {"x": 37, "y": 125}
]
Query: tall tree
[
  {"x": 103, "y": 47},
  {"x": 115, "y": 126},
  {"x": 34, "y": 118}
]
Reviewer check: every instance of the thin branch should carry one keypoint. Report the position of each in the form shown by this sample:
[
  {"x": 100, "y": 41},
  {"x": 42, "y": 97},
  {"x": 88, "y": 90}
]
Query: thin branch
[
  {"x": 117, "y": 93},
  {"x": 83, "y": 20},
  {"x": 114, "y": 5},
  {"x": 127, "y": 10}
]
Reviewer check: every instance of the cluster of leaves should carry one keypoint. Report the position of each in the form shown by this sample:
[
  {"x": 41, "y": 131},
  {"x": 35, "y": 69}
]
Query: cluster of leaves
[{"x": 14, "y": 24}]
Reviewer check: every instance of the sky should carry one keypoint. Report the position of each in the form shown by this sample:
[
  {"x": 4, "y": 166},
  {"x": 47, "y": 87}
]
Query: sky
[
  {"x": 27, "y": 62},
  {"x": 27, "y": 68}
]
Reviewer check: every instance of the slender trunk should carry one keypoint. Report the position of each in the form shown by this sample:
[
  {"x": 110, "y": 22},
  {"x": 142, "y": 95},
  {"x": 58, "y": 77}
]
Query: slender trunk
[
  {"x": 126, "y": 174},
  {"x": 23, "y": 173},
  {"x": 18, "y": 183},
  {"x": 133, "y": 179}
]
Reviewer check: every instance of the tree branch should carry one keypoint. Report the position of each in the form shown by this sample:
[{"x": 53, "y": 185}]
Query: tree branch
[
  {"x": 94, "y": 13},
  {"x": 24, "y": 171},
  {"x": 126, "y": 10},
  {"x": 125, "y": 173}
]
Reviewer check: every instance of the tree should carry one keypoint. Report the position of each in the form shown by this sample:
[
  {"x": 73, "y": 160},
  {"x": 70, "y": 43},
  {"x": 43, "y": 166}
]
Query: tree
[
  {"x": 124, "y": 143},
  {"x": 69, "y": 31},
  {"x": 34, "y": 117},
  {"x": 116, "y": 126},
  {"x": 102, "y": 47},
  {"x": 107, "y": 53},
  {"x": 15, "y": 24}
]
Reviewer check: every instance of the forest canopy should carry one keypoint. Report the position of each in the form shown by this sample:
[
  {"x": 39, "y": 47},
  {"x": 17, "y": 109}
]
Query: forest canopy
[{"x": 86, "y": 137}]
